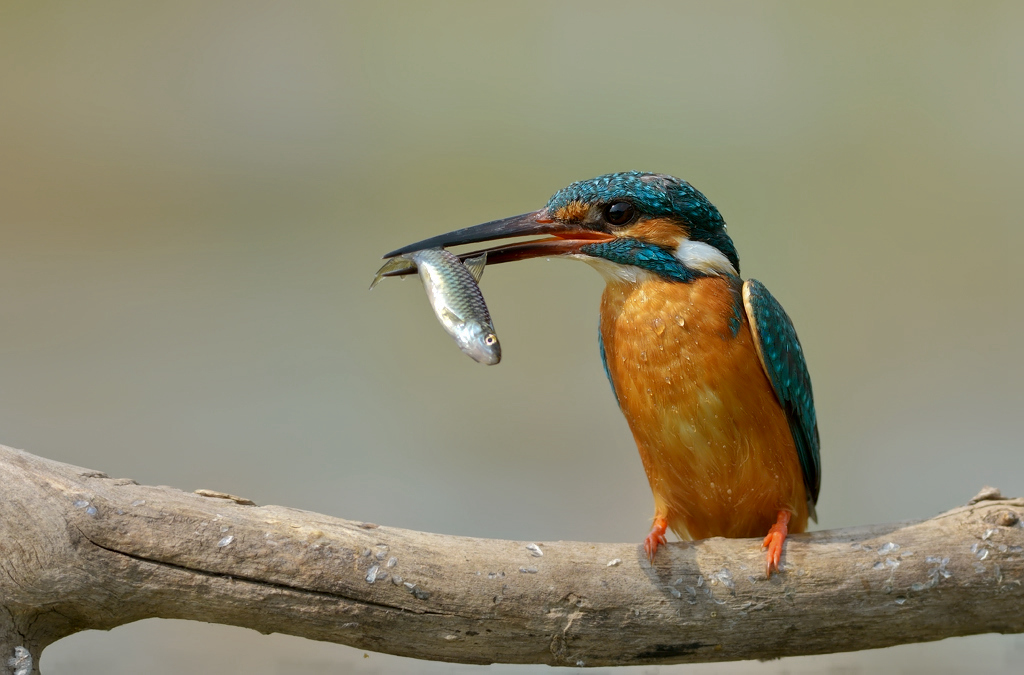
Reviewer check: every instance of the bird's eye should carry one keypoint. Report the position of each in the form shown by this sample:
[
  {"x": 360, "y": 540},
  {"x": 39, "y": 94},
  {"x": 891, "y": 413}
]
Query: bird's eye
[{"x": 619, "y": 213}]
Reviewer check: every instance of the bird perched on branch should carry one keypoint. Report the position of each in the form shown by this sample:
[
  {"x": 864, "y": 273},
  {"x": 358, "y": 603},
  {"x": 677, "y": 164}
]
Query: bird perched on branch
[{"x": 706, "y": 367}]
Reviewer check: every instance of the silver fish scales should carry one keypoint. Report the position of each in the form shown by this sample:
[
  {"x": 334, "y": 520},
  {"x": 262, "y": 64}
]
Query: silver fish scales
[{"x": 455, "y": 296}]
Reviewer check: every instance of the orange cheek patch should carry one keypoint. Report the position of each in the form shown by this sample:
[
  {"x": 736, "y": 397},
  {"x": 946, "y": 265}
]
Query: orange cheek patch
[
  {"x": 574, "y": 211},
  {"x": 660, "y": 231}
]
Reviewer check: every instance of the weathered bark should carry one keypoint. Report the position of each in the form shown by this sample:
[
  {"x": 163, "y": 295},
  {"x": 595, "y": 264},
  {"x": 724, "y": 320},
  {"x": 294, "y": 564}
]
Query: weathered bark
[{"x": 80, "y": 550}]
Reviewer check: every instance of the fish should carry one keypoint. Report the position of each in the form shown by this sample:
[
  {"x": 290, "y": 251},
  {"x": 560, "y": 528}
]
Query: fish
[{"x": 454, "y": 293}]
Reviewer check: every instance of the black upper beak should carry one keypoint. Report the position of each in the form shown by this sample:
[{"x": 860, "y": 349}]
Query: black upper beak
[
  {"x": 527, "y": 224},
  {"x": 568, "y": 239}
]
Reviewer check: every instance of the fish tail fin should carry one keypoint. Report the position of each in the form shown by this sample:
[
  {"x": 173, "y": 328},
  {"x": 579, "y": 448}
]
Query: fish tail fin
[{"x": 399, "y": 264}]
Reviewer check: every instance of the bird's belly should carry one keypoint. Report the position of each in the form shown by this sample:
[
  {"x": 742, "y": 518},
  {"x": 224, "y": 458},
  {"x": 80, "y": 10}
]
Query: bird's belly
[{"x": 713, "y": 438}]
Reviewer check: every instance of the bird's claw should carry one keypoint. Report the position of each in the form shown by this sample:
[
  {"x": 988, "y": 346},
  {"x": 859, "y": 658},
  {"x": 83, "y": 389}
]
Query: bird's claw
[
  {"x": 773, "y": 542},
  {"x": 655, "y": 538}
]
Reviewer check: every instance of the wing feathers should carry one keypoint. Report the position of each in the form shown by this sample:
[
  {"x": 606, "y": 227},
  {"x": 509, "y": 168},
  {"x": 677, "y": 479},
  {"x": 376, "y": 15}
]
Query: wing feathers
[{"x": 783, "y": 361}]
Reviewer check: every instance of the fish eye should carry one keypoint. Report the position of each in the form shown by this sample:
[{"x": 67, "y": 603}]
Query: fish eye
[
  {"x": 490, "y": 339},
  {"x": 619, "y": 213}
]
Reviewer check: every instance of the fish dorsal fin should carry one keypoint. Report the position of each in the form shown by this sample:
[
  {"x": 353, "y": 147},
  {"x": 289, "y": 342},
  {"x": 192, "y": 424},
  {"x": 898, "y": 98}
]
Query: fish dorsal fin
[{"x": 476, "y": 265}]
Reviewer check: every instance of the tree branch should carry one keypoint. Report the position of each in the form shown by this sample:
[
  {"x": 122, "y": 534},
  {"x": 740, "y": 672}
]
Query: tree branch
[{"x": 80, "y": 550}]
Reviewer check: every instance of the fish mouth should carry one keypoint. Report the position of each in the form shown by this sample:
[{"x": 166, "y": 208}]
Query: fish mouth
[{"x": 563, "y": 239}]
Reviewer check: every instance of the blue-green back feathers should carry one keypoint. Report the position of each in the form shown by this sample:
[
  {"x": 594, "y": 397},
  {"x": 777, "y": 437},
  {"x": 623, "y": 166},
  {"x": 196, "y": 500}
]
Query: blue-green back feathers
[{"x": 783, "y": 362}]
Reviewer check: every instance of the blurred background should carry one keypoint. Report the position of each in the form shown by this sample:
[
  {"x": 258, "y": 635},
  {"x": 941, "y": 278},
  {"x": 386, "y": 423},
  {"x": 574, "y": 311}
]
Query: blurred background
[{"x": 194, "y": 197}]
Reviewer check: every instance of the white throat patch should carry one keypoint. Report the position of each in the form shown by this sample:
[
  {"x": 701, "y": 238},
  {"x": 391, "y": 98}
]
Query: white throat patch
[{"x": 704, "y": 258}]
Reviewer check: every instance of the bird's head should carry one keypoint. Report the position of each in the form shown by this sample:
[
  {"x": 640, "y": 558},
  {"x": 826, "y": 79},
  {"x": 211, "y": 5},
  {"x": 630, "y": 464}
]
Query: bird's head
[{"x": 624, "y": 224}]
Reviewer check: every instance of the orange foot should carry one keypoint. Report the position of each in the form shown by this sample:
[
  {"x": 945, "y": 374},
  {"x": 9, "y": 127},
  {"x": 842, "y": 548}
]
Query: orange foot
[
  {"x": 773, "y": 542},
  {"x": 656, "y": 537}
]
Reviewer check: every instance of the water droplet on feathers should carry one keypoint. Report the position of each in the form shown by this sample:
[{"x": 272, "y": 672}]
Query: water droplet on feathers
[
  {"x": 225, "y": 541},
  {"x": 659, "y": 326},
  {"x": 534, "y": 550},
  {"x": 371, "y": 574}
]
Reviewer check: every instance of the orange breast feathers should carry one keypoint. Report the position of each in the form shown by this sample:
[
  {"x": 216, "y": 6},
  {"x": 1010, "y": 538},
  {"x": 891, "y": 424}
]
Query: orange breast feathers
[{"x": 713, "y": 437}]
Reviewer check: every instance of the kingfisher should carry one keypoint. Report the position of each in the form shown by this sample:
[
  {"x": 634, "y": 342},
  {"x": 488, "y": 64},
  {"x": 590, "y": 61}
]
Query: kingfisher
[{"x": 706, "y": 368}]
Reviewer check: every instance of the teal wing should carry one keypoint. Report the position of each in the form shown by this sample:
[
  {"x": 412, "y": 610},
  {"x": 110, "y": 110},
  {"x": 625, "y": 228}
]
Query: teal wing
[
  {"x": 604, "y": 363},
  {"x": 783, "y": 361}
]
